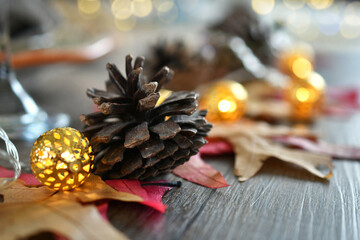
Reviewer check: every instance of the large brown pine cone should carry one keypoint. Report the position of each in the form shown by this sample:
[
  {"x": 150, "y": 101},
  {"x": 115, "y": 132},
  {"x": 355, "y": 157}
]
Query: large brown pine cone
[{"x": 132, "y": 136}]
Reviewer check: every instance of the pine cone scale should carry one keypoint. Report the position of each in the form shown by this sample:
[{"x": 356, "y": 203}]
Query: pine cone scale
[
  {"x": 109, "y": 131},
  {"x": 151, "y": 148},
  {"x": 166, "y": 130},
  {"x": 137, "y": 135}
]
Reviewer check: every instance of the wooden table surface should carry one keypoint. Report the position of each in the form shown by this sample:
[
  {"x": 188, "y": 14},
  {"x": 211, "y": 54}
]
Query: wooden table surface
[{"x": 281, "y": 202}]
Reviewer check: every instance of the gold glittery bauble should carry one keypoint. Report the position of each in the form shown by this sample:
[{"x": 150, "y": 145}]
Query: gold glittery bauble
[
  {"x": 62, "y": 158},
  {"x": 306, "y": 96},
  {"x": 225, "y": 100}
]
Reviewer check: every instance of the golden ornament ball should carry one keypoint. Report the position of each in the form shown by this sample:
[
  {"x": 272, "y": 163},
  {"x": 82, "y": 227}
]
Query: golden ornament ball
[
  {"x": 225, "y": 101},
  {"x": 62, "y": 158},
  {"x": 306, "y": 96}
]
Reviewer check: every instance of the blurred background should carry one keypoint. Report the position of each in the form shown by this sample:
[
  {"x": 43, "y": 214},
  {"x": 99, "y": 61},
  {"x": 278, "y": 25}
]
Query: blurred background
[
  {"x": 331, "y": 27},
  {"x": 60, "y": 48}
]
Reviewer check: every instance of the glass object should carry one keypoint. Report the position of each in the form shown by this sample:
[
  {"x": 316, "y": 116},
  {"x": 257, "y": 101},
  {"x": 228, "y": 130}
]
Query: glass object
[
  {"x": 9, "y": 156},
  {"x": 20, "y": 116}
]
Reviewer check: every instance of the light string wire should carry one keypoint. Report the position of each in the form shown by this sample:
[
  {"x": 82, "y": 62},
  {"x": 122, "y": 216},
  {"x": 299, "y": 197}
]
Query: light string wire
[{"x": 13, "y": 158}]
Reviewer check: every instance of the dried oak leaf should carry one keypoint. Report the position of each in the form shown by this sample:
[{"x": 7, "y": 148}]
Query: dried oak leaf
[
  {"x": 65, "y": 217},
  {"x": 36, "y": 209},
  {"x": 252, "y": 147},
  {"x": 320, "y": 147}
]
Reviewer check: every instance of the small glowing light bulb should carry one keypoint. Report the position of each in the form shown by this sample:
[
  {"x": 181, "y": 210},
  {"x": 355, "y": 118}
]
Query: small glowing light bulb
[
  {"x": 225, "y": 101},
  {"x": 306, "y": 96},
  {"x": 62, "y": 158}
]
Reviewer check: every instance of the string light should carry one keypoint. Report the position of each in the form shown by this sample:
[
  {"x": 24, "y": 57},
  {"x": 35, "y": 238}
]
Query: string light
[
  {"x": 297, "y": 61},
  {"x": 306, "y": 96},
  {"x": 62, "y": 158},
  {"x": 225, "y": 101},
  {"x": 301, "y": 67}
]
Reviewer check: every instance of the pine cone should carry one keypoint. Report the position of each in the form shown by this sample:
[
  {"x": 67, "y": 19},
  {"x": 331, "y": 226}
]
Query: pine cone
[
  {"x": 134, "y": 138},
  {"x": 191, "y": 68},
  {"x": 243, "y": 22}
]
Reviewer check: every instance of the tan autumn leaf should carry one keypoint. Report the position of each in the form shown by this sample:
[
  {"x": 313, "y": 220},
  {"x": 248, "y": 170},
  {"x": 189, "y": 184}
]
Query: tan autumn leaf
[
  {"x": 68, "y": 218},
  {"x": 58, "y": 209},
  {"x": 95, "y": 189},
  {"x": 226, "y": 130},
  {"x": 274, "y": 109},
  {"x": 252, "y": 148},
  {"x": 19, "y": 193},
  {"x": 92, "y": 190}
]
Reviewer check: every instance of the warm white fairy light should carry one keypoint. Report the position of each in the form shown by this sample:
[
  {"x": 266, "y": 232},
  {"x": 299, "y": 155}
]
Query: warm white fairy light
[
  {"x": 262, "y": 7},
  {"x": 121, "y": 9},
  {"x": 294, "y": 4},
  {"x": 125, "y": 24},
  {"x": 141, "y": 8},
  {"x": 89, "y": 7},
  {"x": 320, "y": 4}
]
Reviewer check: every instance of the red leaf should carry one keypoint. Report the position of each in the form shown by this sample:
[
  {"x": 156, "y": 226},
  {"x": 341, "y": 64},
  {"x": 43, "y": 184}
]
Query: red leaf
[
  {"x": 102, "y": 208},
  {"x": 151, "y": 194},
  {"x": 348, "y": 97},
  {"x": 197, "y": 171},
  {"x": 29, "y": 179},
  {"x": 216, "y": 147},
  {"x": 341, "y": 101},
  {"x": 320, "y": 147}
]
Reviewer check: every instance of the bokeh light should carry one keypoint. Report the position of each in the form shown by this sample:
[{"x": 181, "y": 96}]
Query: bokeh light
[
  {"x": 350, "y": 26},
  {"x": 317, "y": 81},
  {"x": 141, "y": 8},
  {"x": 163, "y": 5},
  {"x": 121, "y": 9},
  {"x": 224, "y": 106},
  {"x": 89, "y": 7},
  {"x": 302, "y": 67},
  {"x": 352, "y": 12},
  {"x": 167, "y": 12},
  {"x": 125, "y": 24},
  {"x": 350, "y": 30},
  {"x": 302, "y": 94},
  {"x": 320, "y": 4},
  {"x": 299, "y": 21},
  {"x": 294, "y": 4},
  {"x": 263, "y": 7}
]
